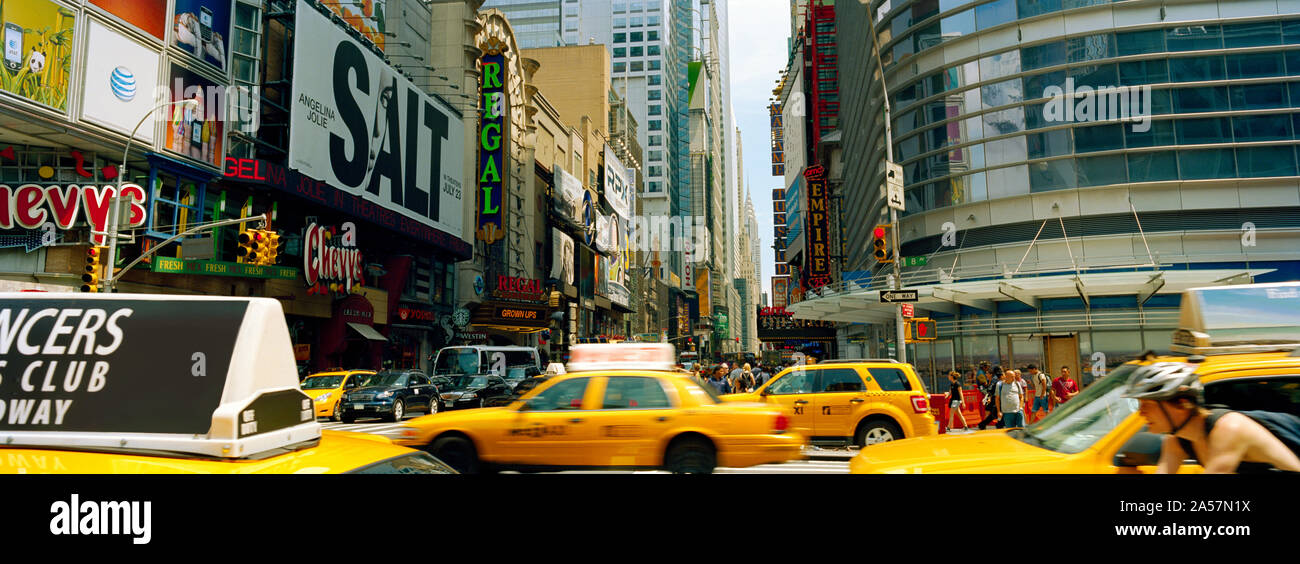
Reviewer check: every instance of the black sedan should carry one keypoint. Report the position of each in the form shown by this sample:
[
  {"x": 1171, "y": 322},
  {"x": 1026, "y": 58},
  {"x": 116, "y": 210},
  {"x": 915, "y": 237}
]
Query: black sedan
[
  {"x": 521, "y": 388},
  {"x": 389, "y": 395},
  {"x": 474, "y": 391}
]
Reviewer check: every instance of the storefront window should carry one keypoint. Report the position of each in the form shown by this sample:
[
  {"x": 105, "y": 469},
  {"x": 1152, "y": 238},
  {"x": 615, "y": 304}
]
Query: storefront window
[
  {"x": 176, "y": 203},
  {"x": 1117, "y": 347}
]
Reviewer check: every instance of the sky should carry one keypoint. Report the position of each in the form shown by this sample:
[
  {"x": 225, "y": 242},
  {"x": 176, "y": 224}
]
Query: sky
[{"x": 760, "y": 33}]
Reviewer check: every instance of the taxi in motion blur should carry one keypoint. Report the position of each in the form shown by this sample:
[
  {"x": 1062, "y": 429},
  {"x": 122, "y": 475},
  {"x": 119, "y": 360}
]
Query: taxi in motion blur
[
  {"x": 1243, "y": 342},
  {"x": 619, "y": 406},
  {"x": 106, "y": 397}
]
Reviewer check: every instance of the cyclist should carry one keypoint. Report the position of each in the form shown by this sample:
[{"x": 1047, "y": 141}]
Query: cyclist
[{"x": 1171, "y": 397}]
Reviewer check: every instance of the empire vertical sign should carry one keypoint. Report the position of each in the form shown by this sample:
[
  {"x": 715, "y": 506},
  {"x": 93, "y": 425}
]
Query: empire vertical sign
[
  {"x": 491, "y": 150},
  {"x": 819, "y": 229}
]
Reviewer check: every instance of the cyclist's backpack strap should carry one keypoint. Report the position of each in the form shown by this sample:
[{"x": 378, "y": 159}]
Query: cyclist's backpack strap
[{"x": 1210, "y": 421}]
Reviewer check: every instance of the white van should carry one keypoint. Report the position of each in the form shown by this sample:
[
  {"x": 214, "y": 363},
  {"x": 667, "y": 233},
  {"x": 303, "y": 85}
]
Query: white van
[{"x": 512, "y": 363}]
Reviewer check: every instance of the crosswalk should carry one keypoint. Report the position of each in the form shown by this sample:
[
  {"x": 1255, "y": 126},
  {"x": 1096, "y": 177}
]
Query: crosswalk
[{"x": 376, "y": 426}]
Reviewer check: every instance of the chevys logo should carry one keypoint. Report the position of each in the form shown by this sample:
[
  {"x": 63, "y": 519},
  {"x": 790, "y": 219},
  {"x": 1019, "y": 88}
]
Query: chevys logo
[
  {"x": 322, "y": 261},
  {"x": 29, "y": 206}
]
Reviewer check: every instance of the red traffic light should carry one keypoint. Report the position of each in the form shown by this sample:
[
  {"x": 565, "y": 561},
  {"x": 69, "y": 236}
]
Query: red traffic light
[{"x": 879, "y": 232}]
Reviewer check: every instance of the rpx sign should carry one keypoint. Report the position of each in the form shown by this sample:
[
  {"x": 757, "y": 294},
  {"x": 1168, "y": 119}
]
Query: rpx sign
[{"x": 29, "y": 206}]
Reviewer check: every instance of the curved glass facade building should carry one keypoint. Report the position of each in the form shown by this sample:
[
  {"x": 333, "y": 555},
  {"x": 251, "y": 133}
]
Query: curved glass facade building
[{"x": 1088, "y": 122}]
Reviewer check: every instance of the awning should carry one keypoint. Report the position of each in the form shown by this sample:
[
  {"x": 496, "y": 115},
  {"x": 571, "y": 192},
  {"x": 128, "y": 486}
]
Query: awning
[
  {"x": 855, "y": 304},
  {"x": 367, "y": 331}
]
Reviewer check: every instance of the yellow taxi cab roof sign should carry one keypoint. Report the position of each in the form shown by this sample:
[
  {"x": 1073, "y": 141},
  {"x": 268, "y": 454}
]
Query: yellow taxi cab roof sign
[
  {"x": 1239, "y": 319},
  {"x": 198, "y": 375},
  {"x": 621, "y": 356}
]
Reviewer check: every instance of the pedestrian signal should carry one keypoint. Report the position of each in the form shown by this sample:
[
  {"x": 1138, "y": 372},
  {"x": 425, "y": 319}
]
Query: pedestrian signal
[
  {"x": 880, "y": 244},
  {"x": 921, "y": 330},
  {"x": 90, "y": 277},
  {"x": 273, "y": 247}
]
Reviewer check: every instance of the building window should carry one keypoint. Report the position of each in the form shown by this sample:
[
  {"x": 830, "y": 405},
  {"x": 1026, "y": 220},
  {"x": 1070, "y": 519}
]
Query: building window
[
  {"x": 620, "y": 22},
  {"x": 620, "y": 37},
  {"x": 652, "y": 50},
  {"x": 620, "y": 67},
  {"x": 620, "y": 7},
  {"x": 654, "y": 64},
  {"x": 620, "y": 52},
  {"x": 637, "y": 7},
  {"x": 654, "y": 19},
  {"x": 656, "y": 125},
  {"x": 656, "y": 140},
  {"x": 655, "y": 94},
  {"x": 638, "y": 52},
  {"x": 637, "y": 21},
  {"x": 244, "y": 58},
  {"x": 652, "y": 35},
  {"x": 656, "y": 186},
  {"x": 655, "y": 80},
  {"x": 175, "y": 203},
  {"x": 638, "y": 66},
  {"x": 656, "y": 156},
  {"x": 636, "y": 36},
  {"x": 656, "y": 110}
]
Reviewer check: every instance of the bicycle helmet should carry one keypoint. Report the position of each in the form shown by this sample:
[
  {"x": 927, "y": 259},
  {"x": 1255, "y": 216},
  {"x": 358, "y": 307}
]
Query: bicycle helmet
[{"x": 1164, "y": 381}]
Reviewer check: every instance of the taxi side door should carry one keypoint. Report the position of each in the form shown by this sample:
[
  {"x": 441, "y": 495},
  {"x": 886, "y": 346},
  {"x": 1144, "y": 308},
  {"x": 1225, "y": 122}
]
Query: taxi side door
[
  {"x": 633, "y": 413},
  {"x": 841, "y": 392},
  {"x": 550, "y": 428},
  {"x": 794, "y": 392}
]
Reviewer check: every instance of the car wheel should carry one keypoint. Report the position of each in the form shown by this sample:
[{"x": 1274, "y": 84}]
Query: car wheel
[
  {"x": 398, "y": 411},
  {"x": 457, "y": 452},
  {"x": 691, "y": 456},
  {"x": 338, "y": 412},
  {"x": 433, "y": 407},
  {"x": 877, "y": 432}
]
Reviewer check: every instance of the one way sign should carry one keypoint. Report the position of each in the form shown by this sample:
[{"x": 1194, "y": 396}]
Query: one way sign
[{"x": 895, "y": 296}]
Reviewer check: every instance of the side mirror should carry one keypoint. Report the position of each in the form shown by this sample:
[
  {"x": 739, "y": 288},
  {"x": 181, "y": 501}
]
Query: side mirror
[{"x": 1143, "y": 449}]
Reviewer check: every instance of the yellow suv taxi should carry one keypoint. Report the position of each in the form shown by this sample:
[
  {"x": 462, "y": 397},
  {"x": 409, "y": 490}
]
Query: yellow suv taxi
[
  {"x": 326, "y": 390},
  {"x": 620, "y": 406},
  {"x": 166, "y": 384},
  {"x": 862, "y": 402},
  {"x": 1242, "y": 341}
]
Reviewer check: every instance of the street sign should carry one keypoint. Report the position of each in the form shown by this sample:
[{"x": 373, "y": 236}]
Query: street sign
[
  {"x": 915, "y": 261},
  {"x": 896, "y": 296},
  {"x": 894, "y": 185},
  {"x": 909, "y": 310}
]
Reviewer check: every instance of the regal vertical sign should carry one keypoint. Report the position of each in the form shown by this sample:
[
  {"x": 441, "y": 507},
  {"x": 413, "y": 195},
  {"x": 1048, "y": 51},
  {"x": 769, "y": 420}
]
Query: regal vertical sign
[
  {"x": 818, "y": 228},
  {"x": 491, "y": 149}
]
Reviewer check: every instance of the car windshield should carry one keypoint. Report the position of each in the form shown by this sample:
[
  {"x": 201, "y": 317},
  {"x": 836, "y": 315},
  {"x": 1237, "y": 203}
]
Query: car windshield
[
  {"x": 322, "y": 382},
  {"x": 1079, "y": 423},
  {"x": 457, "y": 361},
  {"x": 468, "y": 381},
  {"x": 380, "y": 379}
]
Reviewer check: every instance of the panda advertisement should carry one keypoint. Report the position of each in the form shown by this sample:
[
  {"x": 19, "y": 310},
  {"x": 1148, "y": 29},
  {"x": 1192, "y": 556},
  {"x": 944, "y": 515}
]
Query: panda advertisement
[{"x": 363, "y": 128}]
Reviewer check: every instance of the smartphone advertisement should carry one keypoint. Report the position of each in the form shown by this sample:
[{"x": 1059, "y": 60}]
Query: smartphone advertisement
[
  {"x": 202, "y": 29},
  {"x": 196, "y": 131},
  {"x": 37, "y": 51}
]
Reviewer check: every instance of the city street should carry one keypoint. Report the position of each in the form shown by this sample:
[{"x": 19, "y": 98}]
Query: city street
[{"x": 825, "y": 462}]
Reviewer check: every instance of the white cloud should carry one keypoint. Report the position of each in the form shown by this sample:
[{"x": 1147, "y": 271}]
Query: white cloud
[{"x": 759, "y": 32}]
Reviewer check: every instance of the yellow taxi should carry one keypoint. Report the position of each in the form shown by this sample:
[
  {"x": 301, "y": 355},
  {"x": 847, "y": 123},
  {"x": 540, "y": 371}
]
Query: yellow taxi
[
  {"x": 326, "y": 390},
  {"x": 1245, "y": 362},
  {"x": 130, "y": 392},
  {"x": 860, "y": 402},
  {"x": 619, "y": 406}
]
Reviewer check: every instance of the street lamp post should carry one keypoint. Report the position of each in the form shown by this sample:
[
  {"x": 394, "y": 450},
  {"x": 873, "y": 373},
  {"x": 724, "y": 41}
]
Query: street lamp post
[{"x": 114, "y": 208}]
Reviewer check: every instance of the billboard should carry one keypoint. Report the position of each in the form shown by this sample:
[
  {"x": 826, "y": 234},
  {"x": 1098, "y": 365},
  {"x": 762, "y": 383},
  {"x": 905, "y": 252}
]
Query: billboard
[
  {"x": 365, "y": 16},
  {"x": 618, "y": 187},
  {"x": 148, "y": 15},
  {"x": 202, "y": 28},
  {"x": 121, "y": 76},
  {"x": 362, "y": 128},
  {"x": 196, "y": 132},
  {"x": 702, "y": 288},
  {"x": 562, "y": 263},
  {"x": 37, "y": 51},
  {"x": 818, "y": 229}
]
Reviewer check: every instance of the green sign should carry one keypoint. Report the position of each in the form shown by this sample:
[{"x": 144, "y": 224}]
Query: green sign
[
  {"x": 720, "y": 326},
  {"x": 914, "y": 261},
  {"x": 169, "y": 265}
]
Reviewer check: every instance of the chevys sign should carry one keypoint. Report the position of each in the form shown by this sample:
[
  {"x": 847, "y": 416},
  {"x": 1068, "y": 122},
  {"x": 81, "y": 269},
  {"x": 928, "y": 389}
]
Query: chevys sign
[
  {"x": 324, "y": 261},
  {"x": 29, "y": 206},
  {"x": 361, "y": 127}
]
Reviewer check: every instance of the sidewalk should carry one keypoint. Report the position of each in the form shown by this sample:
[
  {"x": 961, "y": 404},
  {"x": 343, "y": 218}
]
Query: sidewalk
[{"x": 823, "y": 453}]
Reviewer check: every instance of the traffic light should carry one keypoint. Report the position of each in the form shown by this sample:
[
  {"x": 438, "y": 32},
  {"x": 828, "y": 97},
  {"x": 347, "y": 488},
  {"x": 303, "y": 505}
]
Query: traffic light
[
  {"x": 90, "y": 277},
  {"x": 247, "y": 250},
  {"x": 921, "y": 329},
  {"x": 273, "y": 247},
  {"x": 880, "y": 244}
]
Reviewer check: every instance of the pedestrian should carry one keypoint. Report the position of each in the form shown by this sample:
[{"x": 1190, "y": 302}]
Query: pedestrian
[
  {"x": 718, "y": 380},
  {"x": 760, "y": 376},
  {"x": 990, "y": 391},
  {"x": 1042, "y": 387},
  {"x": 956, "y": 400},
  {"x": 1064, "y": 387},
  {"x": 1011, "y": 400},
  {"x": 745, "y": 381}
]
